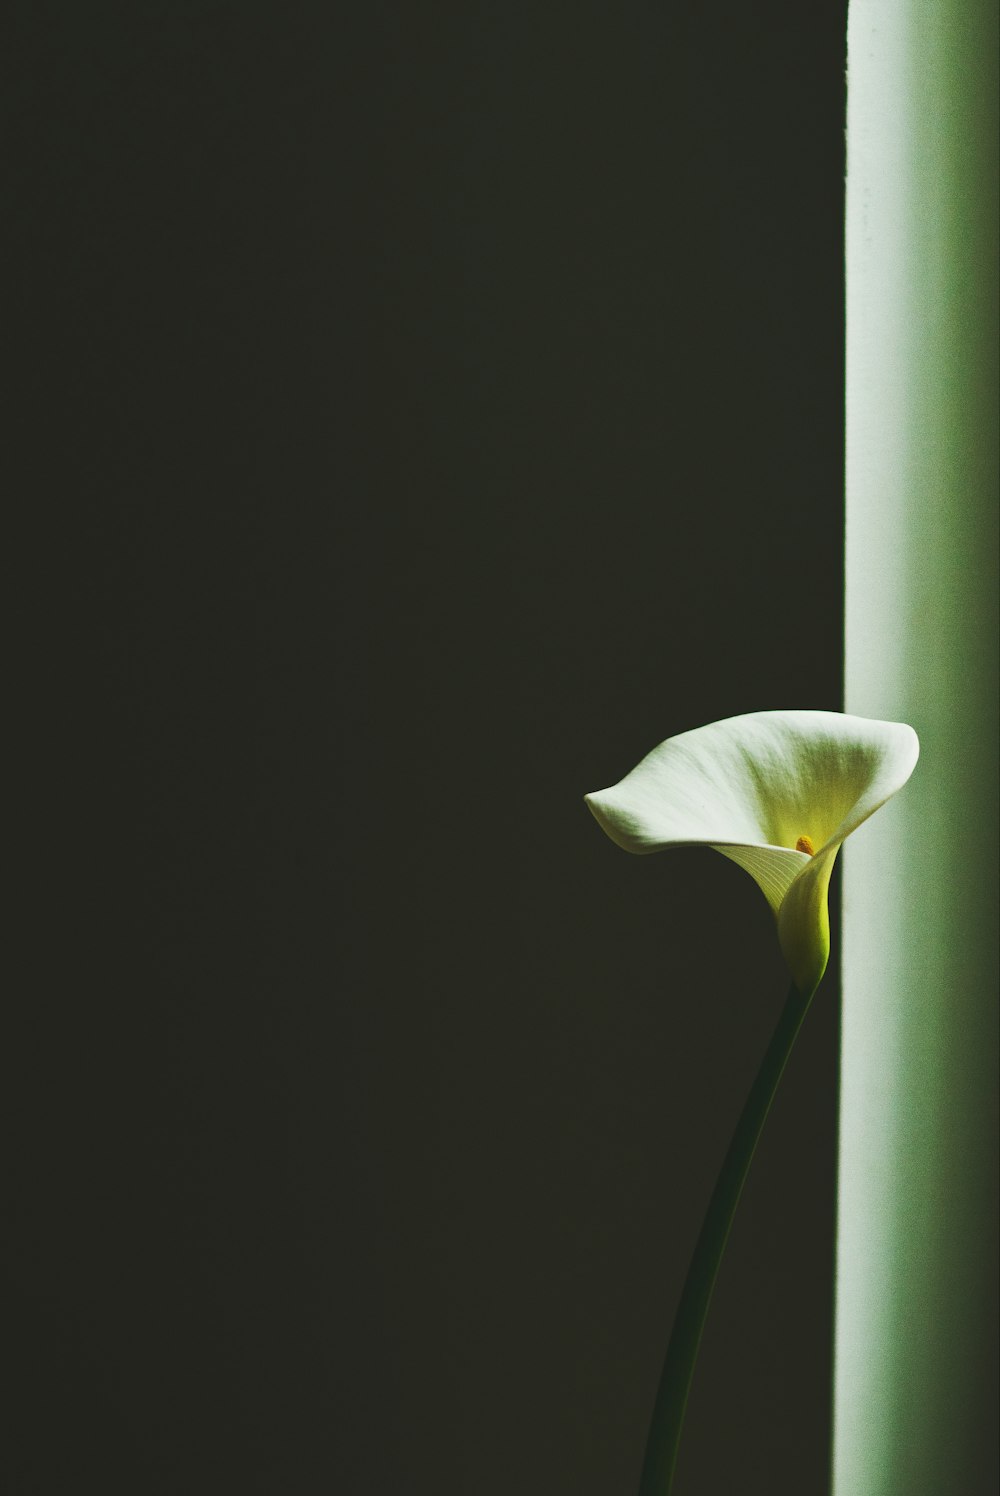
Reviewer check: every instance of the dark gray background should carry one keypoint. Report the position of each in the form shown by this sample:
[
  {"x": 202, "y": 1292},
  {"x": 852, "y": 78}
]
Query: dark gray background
[{"x": 428, "y": 411}]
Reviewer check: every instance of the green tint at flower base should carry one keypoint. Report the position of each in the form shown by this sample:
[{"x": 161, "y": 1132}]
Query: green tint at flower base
[{"x": 778, "y": 793}]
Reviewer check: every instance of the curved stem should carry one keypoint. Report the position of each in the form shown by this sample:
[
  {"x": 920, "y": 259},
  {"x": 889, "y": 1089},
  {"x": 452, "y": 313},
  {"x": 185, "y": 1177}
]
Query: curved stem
[{"x": 678, "y": 1369}]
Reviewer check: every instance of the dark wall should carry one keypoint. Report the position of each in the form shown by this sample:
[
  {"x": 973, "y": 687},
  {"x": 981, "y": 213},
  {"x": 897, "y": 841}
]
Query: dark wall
[{"x": 427, "y": 413}]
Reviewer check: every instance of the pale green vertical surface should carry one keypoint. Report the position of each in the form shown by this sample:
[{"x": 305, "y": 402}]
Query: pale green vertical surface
[{"x": 916, "y": 1239}]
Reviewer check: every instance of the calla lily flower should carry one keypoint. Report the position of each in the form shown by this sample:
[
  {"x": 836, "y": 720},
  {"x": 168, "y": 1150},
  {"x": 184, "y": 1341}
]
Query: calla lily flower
[{"x": 778, "y": 793}]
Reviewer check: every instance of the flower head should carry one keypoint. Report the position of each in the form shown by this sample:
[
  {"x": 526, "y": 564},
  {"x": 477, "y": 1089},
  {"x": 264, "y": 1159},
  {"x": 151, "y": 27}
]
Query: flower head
[{"x": 777, "y": 792}]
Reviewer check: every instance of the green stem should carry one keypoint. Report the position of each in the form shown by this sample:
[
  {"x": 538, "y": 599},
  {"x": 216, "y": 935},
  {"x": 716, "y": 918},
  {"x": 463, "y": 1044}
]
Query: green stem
[{"x": 678, "y": 1369}]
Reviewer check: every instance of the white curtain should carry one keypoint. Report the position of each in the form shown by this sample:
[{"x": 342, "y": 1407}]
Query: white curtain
[{"x": 916, "y": 1298}]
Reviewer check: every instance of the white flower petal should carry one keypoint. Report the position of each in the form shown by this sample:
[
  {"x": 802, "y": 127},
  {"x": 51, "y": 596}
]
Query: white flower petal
[
  {"x": 773, "y": 869},
  {"x": 804, "y": 921},
  {"x": 753, "y": 787}
]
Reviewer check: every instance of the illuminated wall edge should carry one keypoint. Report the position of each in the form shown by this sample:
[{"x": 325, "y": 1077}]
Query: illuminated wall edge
[{"x": 916, "y": 1270}]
